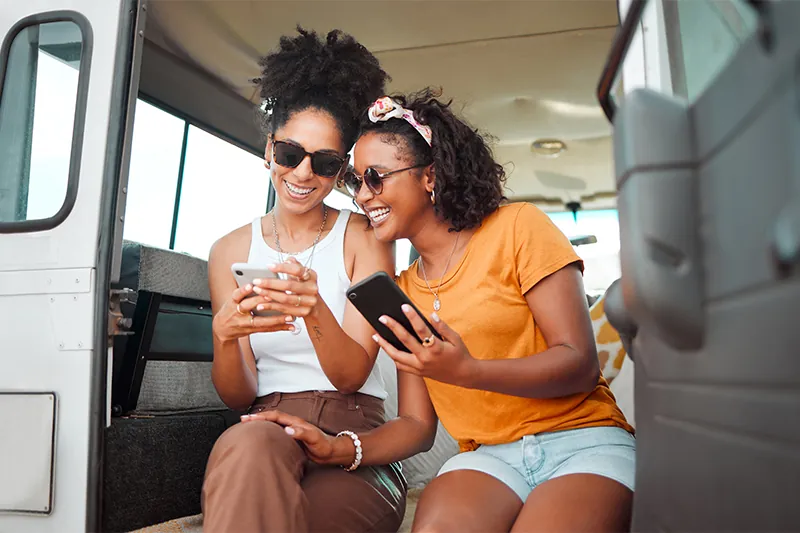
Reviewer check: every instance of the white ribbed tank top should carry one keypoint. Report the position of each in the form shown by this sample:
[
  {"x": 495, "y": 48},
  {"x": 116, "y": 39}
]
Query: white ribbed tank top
[{"x": 287, "y": 362}]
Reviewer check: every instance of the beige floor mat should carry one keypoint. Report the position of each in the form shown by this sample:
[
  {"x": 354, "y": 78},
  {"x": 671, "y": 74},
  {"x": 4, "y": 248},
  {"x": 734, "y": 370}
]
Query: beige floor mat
[{"x": 194, "y": 524}]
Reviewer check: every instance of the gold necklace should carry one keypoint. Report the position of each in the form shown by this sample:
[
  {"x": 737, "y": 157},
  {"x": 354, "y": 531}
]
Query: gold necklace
[{"x": 437, "y": 303}]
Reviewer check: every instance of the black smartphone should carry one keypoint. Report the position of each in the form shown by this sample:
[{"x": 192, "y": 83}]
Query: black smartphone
[{"x": 379, "y": 295}]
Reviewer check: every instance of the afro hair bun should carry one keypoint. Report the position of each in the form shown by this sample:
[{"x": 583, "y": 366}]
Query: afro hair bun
[{"x": 338, "y": 75}]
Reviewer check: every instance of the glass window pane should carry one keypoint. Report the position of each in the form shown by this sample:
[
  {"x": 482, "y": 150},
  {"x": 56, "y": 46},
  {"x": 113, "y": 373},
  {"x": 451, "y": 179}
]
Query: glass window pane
[
  {"x": 339, "y": 200},
  {"x": 224, "y": 188},
  {"x": 702, "y": 37},
  {"x": 153, "y": 179},
  {"x": 37, "y": 113}
]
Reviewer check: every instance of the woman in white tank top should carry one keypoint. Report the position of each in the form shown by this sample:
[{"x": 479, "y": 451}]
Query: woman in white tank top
[{"x": 317, "y": 358}]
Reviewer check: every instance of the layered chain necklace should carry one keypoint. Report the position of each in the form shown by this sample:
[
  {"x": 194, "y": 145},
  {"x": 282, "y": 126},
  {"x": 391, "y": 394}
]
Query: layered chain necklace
[
  {"x": 313, "y": 246},
  {"x": 437, "y": 303},
  {"x": 297, "y": 328}
]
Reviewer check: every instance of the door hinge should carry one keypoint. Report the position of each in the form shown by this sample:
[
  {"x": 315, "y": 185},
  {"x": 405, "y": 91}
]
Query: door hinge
[{"x": 118, "y": 324}]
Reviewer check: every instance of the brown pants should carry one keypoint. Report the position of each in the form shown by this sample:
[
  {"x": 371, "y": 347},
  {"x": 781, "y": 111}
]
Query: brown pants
[{"x": 258, "y": 478}]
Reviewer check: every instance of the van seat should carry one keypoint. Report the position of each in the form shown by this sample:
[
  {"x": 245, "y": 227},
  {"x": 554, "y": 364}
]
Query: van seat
[{"x": 165, "y": 366}]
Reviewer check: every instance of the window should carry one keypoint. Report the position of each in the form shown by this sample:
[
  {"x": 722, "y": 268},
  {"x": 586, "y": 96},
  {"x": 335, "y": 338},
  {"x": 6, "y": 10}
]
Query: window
[
  {"x": 601, "y": 259},
  {"x": 223, "y": 188},
  {"x": 702, "y": 36},
  {"x": 153, "y": 178},
  {"x": 43, "y": 85}
]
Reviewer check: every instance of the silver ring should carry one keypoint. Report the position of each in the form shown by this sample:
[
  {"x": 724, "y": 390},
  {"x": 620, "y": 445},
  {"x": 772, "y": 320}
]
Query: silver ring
[{"x": 427, "y": 342}]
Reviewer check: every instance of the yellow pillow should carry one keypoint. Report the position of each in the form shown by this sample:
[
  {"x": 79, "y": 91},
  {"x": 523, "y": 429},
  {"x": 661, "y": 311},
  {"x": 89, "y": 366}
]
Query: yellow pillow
[{"x": 609, "y": 346}]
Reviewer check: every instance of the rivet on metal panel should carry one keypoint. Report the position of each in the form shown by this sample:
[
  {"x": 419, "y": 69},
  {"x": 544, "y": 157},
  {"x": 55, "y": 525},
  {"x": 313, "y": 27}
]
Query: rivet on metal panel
[
  {"x": 80, "y": 344},
  {"x": 52, "y": 300},
  {"x": 124, "y": 190},
  {"x": 141, "y": 34},
  {"x": 122, "y": 219},
  {"x": 61, "y": 345},
  {"x": 74, "y": 298},
  {"x": 77, "y": 280}
]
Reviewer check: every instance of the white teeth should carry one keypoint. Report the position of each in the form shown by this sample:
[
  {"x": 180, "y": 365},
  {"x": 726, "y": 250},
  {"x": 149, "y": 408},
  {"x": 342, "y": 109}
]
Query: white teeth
[
  {"x": 378, "y": 215},
  {"x": 298, "y": 190}
]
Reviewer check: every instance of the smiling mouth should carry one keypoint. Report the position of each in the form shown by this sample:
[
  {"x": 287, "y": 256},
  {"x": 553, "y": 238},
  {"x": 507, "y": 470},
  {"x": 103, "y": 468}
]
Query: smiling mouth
[
  {"x": 378, "y": 215},
  {"x": 299, "y": 191}
]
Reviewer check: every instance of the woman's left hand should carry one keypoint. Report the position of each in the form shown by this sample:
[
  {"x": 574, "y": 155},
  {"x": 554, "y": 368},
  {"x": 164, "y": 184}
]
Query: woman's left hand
[
  {"x": 446, "y": 359},
  {"x": 296, "y": 296}
]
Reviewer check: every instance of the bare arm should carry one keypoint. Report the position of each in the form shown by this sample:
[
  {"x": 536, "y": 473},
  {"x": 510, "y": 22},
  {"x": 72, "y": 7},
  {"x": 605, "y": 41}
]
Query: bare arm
[
  {"x": 233, "y": 371},
  {"x": 346, "y": 351},
  {"x": 569, "y": 366},
  {"x": 412, "y": 432}
]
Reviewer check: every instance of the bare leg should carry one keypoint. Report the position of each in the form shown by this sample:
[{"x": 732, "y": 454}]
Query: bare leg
[
  {"x": 466, "y": 501},
  {"x": 577, "y": 503}
]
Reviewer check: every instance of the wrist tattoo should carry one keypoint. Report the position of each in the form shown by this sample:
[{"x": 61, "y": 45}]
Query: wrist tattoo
[{"x": 317, "y": 333}]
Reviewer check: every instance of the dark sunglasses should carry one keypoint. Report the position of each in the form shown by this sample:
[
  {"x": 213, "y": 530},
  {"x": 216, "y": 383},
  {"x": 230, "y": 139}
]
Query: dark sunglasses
[
  {"x": 290, "y": 155},
  {"x": 372, "y": 178}
]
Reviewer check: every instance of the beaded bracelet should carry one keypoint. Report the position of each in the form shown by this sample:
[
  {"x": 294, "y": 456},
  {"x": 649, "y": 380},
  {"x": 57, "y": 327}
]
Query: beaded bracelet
[{"x": 359, "y": 453}]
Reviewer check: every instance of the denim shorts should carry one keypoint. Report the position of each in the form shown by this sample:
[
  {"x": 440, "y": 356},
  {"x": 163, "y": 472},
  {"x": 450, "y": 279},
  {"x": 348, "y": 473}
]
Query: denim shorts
[{"x": 522, "y": 465}]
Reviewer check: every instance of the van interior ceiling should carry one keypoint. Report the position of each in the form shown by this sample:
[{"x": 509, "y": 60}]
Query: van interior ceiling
[{"x": 524, "y": 72}]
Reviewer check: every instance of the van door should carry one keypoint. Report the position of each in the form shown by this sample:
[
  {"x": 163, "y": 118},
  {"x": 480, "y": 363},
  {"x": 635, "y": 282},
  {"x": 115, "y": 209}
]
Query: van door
[
  {"x": 708, "y": 175},
  {"x": 65, "y": 79}
]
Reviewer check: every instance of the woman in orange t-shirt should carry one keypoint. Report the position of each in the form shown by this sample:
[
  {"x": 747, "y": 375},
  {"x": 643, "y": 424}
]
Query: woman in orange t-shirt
[{"x": 516, "y": 378}]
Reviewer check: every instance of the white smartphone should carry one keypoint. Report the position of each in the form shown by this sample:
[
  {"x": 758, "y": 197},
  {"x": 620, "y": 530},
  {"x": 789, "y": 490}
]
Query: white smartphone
[{"x": 245, "y": 273}]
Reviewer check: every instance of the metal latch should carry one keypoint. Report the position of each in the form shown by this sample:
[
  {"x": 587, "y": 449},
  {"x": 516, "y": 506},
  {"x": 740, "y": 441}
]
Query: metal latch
[{"x": 117, "y": 323}]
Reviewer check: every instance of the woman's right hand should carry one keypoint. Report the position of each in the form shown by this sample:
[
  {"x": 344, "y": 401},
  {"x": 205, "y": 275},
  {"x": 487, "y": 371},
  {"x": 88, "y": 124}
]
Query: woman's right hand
[
  {"x": 235, "y": 319},
  {"x": 319, "y": 446}
]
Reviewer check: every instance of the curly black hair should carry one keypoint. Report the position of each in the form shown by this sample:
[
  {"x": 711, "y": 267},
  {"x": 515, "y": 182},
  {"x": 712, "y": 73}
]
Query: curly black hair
[
  {"x": 469, "y": 183},
  {"x": 339, "y": 76}
]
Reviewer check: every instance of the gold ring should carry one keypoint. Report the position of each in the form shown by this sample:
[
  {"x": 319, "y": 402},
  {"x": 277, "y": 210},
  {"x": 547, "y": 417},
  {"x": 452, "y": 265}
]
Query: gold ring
[
  {"x": 239, "y": 309},
  {"x": 298, "y": 301},
  {"x": 427, "y": 342}
]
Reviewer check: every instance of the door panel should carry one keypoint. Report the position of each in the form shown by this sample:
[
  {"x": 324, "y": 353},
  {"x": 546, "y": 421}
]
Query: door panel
[
  {"x": 52, "y": 282},
  {"x": 717, "y": 391}
]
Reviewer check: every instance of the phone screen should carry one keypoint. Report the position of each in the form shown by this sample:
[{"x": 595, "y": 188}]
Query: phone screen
[{"x": 379, "y": 295}]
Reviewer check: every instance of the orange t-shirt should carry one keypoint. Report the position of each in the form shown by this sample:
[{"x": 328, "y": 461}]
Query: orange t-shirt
[{"x": 483, "y": 300}]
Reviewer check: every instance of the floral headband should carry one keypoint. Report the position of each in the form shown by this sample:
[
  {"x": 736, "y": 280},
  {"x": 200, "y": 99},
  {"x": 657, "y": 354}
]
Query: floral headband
[{"x": 385, "y": 108}]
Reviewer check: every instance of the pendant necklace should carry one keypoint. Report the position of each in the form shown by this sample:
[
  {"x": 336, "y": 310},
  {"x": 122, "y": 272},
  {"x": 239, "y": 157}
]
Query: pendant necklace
[{"x": 437, "y": 303}]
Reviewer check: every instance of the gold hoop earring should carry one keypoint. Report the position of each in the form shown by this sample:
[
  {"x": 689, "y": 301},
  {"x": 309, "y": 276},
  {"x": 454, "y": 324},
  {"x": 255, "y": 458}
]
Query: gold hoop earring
[{"x": 433, "y": 197}]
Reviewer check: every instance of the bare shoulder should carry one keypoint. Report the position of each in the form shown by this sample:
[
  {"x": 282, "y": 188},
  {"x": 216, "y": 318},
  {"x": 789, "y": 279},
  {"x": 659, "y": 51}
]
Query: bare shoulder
[
  {"x": 360, "y": 233},
  {"x": 231, "y": 248}
]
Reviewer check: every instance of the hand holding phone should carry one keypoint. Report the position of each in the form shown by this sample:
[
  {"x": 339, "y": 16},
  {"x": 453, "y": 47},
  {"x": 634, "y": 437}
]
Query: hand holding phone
[
  {"x": 378, "y": 295},
  {"x": 442, "y": 355},
  {"x": 245, "y": 273}
]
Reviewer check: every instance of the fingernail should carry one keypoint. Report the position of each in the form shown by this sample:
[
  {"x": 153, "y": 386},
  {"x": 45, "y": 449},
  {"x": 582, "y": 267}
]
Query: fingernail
[
  {"x": 406, "y": 308},
  {"x": 292, "y": 328},
  {"x": 289, "y": 430},
  {"x": 256, "y": 282},
  {"x": 248, "y": 287},
  {"x": 383, "y": 320},
  {"x": 435, "y": 317},
  {"x": 289, "y": 319},
  {"x": 260, "y": 307},
  {"x": 272, "y": 267},
  {"x": 244, "y": 418},
  {"x": 258, "y": 290},
  {"x": 375, "y": 338}
]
